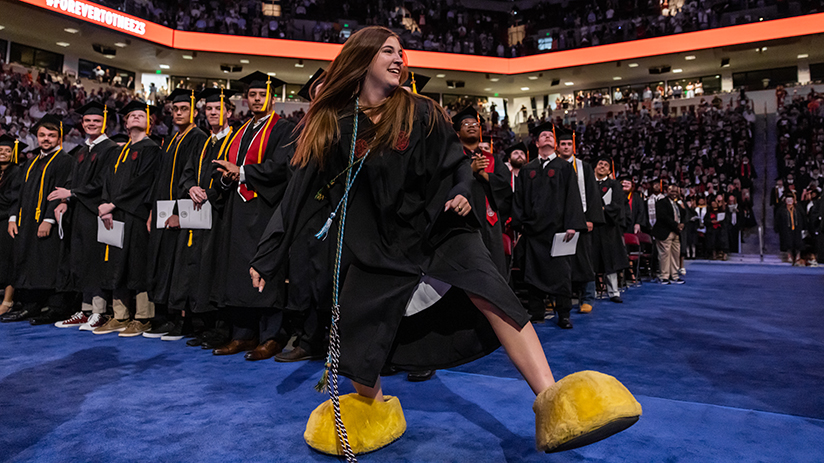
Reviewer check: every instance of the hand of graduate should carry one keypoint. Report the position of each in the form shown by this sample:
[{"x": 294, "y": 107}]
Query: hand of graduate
[
  {"x": 60, "y": 210},
  {"x": 637, "y": 228},
  {"x": 44, "y": 230},
  {"x": 13, "y": 229},
  {"x": 228, "y": 169},
  {"x": 198, "y": 195},
  {"x": 59, "y": 193},
  {"x": 105, "y": 208},
  {"x": 680, "y": 226},
  {"x": 569, "y": 235},
  {"x": 108, "y": 221},
  {"x": 479, "y": 163},
  {"x": 149, "y": 223},
  {"x": 258, "y": 282},
  {"x": 173, "y": 222},
  {"x": 459, "y": 204},
  {"x": 589, "y": 226}
]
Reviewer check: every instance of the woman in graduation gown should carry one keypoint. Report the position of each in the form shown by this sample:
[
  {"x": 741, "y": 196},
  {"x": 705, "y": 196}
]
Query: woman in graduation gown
[
  {"x": 789, "y": 223},
  {"x": 408, "y": 222},
  {"x": 717, "y": 237},
  {"x": 9, "y": 189}
]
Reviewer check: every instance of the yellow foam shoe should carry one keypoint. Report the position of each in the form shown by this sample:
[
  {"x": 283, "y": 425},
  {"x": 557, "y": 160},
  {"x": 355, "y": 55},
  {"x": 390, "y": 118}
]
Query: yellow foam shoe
[
  {"x": 370, "y": 425},
  {"x": 580, "y": 409},
  {"x": 586, "y": 308}
]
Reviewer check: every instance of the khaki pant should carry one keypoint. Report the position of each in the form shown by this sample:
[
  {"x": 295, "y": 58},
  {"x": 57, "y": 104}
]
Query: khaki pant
[
  {"x": 669, "y": 255},
  {"x": 143, "y": 311}
]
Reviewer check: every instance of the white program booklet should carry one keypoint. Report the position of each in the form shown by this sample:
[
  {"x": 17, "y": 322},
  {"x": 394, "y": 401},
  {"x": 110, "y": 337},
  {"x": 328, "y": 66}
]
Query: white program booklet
[
  {"x": 194, "y": 218},
  {"x": 608, "y": 197},
  {"x": 561, "y": 248},
  {"x": 164, "y": 211},
  {"x": 721, "y": 216},
  {"x": 113, "y": 237}
]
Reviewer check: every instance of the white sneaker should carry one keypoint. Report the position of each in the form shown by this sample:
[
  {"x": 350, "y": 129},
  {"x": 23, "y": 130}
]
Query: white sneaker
[
  {"x": 813, "y": 263},
  {"x": 682, "y": 271},
  {"x": 96, "y": 320},
  {"x": 75, "y": 321}
]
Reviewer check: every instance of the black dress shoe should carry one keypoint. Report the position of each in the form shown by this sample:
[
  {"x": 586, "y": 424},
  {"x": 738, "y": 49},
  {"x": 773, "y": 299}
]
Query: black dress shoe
[
  {"x": 47, "y": 318},
  {"x": 564, "y": 323},
  {"x": 298, "y": 354},
  {"x": 418, "y": 376},
  {"x": 616, "y": 299},
  {"x": 19, "y": 315},
  {"x": 389, "y": 370},
  {"x": 194, "y": 342}
]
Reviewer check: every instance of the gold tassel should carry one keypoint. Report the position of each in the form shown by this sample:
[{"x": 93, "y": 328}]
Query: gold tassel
[
  {"x": 574, "y": 151},
  {"x": 266, "y": 103},
  {"x": 480, "y": 130},
  {"x": 14, "y": 154},
  {"x": 221, "y": 108},
  {"x": 555, "y": 138},
  {"x": 106, "y": 258},
  {"x": 61, "y": 134},
  {"x": 414, "y": 85},
  {"x": 192, "y": 109},
  {"x": 190, "y": 238},
  {"x": 148, "y": 120},
  {"x": 105, "y": 113}
]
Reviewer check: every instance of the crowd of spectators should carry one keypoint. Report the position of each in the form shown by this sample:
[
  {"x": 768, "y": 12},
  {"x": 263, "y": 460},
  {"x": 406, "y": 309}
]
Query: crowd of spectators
[
  {"x": 800, "y": 163},
  {"x": 453, "y": 26}
]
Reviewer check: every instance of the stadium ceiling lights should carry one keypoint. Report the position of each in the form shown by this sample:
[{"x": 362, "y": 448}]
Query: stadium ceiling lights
[
  {"x": 533, "y": 77},
  {"x": 273, "y": 74},
  {"x": 62, "y": 44},
  {"x": 71, "y": 30},
  {"x": 677, "y": 71},
  {"x": 803, "y": 56},
  {"x": 164, "y": 66},
  {"x": 2, "y": 27},
  {"x": 244, "y": 61},
  {"x": 689, "y": 58},
  {"x": 440, "y": 76},
  {"x": 616, "y": 78},
  {"x": 569, "y": 84},
  {"x": 188, "y": 57},
  {"x": 120, "y": 44},
  {"x": 299, "y": 64},
  {"x": 494, "y": 79},
  {"x": 487, "y": 89},
  {"x": 524, "y": 89},
  {"x": 633, "y": 65}
]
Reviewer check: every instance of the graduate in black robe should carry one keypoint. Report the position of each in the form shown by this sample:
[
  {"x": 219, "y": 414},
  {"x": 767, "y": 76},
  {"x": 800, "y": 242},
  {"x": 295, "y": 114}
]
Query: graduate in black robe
[
  {"x": 192, "y": 276},
  {"x": 491, "y": 196},
  {"x": 10, "y": 180},
  {"x": 93, "y": 159},
  {"x": 547, "y": 201},
  {"x": 40, "y": 255},
  {"x": 127, "y": 198},
  {"x": 583, "y": 271},
  {"x": 178, "y": 148},
  {"x": 717, "y": 223},
  {"x": 789, "y": 223},
  {"x": 608, "y": 250},
  {"x": 636, "y": 211},
  {"x": 255, "y": 174}
]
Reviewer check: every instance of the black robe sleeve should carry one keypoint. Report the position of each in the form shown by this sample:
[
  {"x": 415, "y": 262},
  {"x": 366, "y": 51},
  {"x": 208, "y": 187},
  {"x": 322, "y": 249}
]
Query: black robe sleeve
[
  {"x": 614, "y": 212},
  {"x": 188, "y": 178},
  {"x": 62, "y": 178},
  {"x": 574, "y": 218},
  {"x": 11, "y": 185},
  {"x": 134, "y": 197},
  {"x": 89, "y": 194},
  {"x": 269, "y": 177}
]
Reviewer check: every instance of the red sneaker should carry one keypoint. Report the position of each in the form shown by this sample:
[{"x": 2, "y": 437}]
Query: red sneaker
[{"x": 74, "y": 322}]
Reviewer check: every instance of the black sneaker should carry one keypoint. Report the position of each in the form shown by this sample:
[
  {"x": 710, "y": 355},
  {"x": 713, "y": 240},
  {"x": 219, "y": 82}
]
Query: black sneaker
[
  {"x": 159, "y": 331},
  {"x": 176, "y": 334},
  {"x": 678, "y": 281},
  {"x": 663, "y": 282}
]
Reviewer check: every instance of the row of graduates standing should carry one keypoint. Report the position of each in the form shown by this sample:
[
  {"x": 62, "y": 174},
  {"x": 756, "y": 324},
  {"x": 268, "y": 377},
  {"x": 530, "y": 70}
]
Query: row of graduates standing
[
  {"x": 529, "y": 202},
  {"x": 165, "y": 281}
]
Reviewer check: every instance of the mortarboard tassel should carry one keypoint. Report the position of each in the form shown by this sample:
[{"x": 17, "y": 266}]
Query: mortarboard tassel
[
  {"x": 192, "y": 109},
  {"x": 105, "y": 113},
  {"x": 221, "y": 108},
  {"x": 491, "y": 145},
  {"x": 480, "y": 130},
  {"x": 14, "y": 154},
  {"x": 148, "y": 120},
  {"x": 613, "y": 167},
  {"x": 106, "y": 257},
  {"x": 414, "y": 86},
  {"x": 574, "y": 151},
  {"x": 554, "y": 138},
  {"x": 61, "y": 134},
  {"x": 190, "y": 239},
  {"x": 268, "y": 85}
]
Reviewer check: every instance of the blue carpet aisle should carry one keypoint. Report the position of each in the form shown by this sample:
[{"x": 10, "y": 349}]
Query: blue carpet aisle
[{"x": 729, "y": 367}]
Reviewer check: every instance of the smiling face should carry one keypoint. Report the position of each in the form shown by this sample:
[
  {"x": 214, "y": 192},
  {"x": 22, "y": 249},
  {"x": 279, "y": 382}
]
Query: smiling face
[
  {"x": 5, "y": 154},
  {"x": 385, "y": 71},
  {"x": 602, "y": 169},
  {"x": 470, "y": 130},
  {"x": 213, "y": 113},
  {"x": 92, "y": 125},
  {"x": 47, "y": 139}
]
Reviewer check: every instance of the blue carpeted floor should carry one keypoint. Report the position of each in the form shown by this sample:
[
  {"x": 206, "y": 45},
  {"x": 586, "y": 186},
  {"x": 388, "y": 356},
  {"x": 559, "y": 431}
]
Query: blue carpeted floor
[{"x": 729, "y": 367}]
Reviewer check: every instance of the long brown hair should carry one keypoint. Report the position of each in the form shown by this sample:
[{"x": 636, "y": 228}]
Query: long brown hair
[{"x": 341, "y": 82}]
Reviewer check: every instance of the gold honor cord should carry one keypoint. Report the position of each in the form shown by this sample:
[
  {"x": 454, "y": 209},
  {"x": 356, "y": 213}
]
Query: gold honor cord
[
  {"x": 16, "y": 148},
  {"x": 120, "y": 158},
  {"x": 414, "y": 86},
  {"x": 221, "y": 107},
  {"x": 40, "y": 195},
  {"x": 222, "y": 153},
  {"x": 148, "y": 121},
  {"x": 192, "y": 109},
  {"x": 105, "y": 113},
  {"x": 174, "y": 160}
]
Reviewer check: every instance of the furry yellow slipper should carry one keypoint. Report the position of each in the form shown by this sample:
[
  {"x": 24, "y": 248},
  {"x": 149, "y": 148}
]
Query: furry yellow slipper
[
  {"x": 370, "y": 425},
  {"x": 580, "y": 409}
]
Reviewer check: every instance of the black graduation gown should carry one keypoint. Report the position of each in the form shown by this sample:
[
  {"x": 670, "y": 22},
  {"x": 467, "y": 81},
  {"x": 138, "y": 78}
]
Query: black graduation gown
[
  {"x": 242, "y": 223},
  {"x": 397, "y": 231},
  {"x": 41, "y": 263},
  {"x": 191, "y": 277},
  {"x": 609, "y": 253},
  {"x": 636, "y": 213},
  {"x": 128, "y": 185},
  {"x": 10, "y": 181},
  {"x": 87, "y": 187},
  {"x": 582, "y": 263},
  {"x": 789, "y": 226},
  {"x": 498, "y": 192},
  {"x": 176, "y": 151},
  {"x": 546, "y": 202},
  {"x": 717, "y": 236}
]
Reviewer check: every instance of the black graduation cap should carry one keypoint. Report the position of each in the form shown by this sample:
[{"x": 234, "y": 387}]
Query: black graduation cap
[
  {"x": 49, "y": 118},
  {"x": 545, "y": 127},
  {"x": 137, "y": 105},
  {"x": 467, "y": 113},
  {"x": 8, "y": 140},
  {"x": 92, "y": 108},
  {"x": 119, "y": 138},
  {"x": 304, "y": 91},
  {"x": 564, "y": 134},
  {"x": 416, "y": 81},
  {"x": 258, "y": 79},
  {"x": 212, "y": 95},
  {"x": 518, "y": 146},
  {"x": 181, "y": 95}
]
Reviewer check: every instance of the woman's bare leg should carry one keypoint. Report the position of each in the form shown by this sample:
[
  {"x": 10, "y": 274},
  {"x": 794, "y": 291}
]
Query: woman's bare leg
[
  {"x": 8, "y": 300},
  {"x": 521, "y": 344},
  {"x": 374, "y": 392}
]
